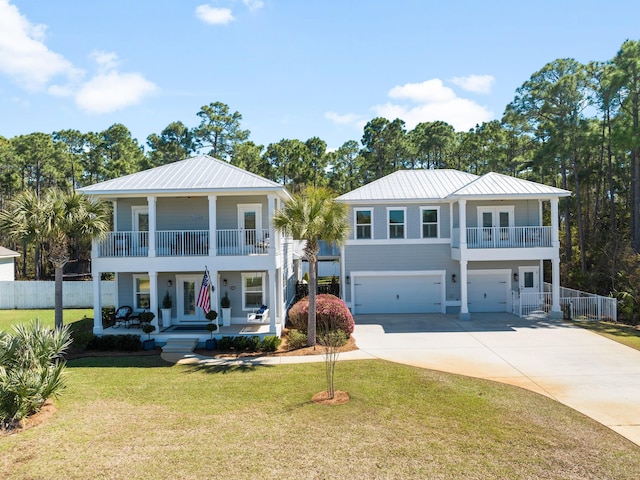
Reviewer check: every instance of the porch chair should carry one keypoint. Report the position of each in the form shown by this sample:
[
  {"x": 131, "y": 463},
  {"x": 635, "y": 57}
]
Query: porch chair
[
  {"x": 258, "y": 316},
  {"x": 123, "y": 316}
]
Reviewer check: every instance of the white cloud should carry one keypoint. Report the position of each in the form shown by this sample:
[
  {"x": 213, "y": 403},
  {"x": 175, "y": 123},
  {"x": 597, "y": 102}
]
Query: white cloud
[
  {"x": 108, "y": 92},
  {"x": 23, "y": 55},
  {"x": 253, "y": 4},
  {"x": 344, "y": 119},
  {"x": 105, "y": 60},
  {"x": 427, "y": 101},
  {"x": 214, "y": 16},
  {"x": 475, "y": 83}
]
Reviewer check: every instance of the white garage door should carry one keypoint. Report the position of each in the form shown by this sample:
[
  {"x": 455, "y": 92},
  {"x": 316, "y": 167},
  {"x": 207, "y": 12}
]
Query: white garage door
[
  {"x": 487, "y": 291},
  {"x": 398, "y": 294}
]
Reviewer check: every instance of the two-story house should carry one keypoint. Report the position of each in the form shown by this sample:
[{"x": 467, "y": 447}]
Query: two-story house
[
  {"x": 446, "y": 241},
  {"x": 172, "y": 222}
]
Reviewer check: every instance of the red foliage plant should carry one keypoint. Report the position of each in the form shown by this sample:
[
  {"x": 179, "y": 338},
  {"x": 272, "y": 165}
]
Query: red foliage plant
[{"x": 330, "y": 311}]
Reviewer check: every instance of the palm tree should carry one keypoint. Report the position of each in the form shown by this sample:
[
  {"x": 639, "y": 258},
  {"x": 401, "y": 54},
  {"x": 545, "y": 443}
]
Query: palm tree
[
  {"x": 54, "y": 220},
  {"x": 313, "y": 215}
]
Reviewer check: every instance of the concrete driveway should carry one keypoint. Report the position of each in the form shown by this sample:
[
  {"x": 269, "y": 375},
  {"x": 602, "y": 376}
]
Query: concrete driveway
[{"x": 581, "y": 369}]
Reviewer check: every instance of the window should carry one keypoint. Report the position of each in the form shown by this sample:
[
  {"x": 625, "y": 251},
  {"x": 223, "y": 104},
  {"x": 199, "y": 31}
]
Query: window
[
  {"x": 253, "y": 290},
  {"x": 430, "y": 225},
  {"x": 528, "y": 279},
  {"x": 396, "y": 222},
  {"x": 364, "y": 224},
  {"x": 141, "y": 292}
]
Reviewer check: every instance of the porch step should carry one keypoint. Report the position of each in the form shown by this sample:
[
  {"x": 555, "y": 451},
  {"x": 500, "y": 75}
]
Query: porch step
[{"x": 180, "y": 344}]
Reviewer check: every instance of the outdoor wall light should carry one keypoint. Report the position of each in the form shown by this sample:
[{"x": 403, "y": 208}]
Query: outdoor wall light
[
  {"x": 169, "y": 283},
  {"x": 224, "y": 282},
  {"x": 453, "y": 278},
  {"x": 348, "y": 279},
  {"x": 515, "y": 277}
]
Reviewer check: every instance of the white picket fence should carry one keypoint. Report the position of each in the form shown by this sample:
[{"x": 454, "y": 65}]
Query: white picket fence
[{"x": 25, "y": 295}]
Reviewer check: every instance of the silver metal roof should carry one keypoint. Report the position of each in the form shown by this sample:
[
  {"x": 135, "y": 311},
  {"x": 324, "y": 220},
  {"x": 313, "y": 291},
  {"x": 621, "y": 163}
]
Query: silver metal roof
[
  {"x": 411, "y": 185},
  {"x": 6, "y": 253},
  {"x": 202, "y": 173},
  {"x": 495, "y": 184}
]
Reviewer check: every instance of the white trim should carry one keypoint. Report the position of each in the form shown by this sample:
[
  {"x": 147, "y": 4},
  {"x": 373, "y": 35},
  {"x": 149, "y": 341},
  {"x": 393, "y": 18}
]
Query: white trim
[
  {"x": 404, "y": 223},
  {"x": 437, "y": 209},
  {"x": 250, "y": 308},
  {"x": 250, "y": 207},
  {"x": 536, "y": 277},
  {"x": 401, "y": 273},
  {"x": 198, "y": 316},
  {"x": 355, "y": 223}
]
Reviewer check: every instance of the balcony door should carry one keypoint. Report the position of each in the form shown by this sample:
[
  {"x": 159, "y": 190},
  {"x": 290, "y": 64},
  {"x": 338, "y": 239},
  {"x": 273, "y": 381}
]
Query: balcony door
[
  {"x": 187, "y": 289},
  {"x": 140, "y": 224},
  {"x": 495, "y": 223},
  {"x": 250, "y": 223}
]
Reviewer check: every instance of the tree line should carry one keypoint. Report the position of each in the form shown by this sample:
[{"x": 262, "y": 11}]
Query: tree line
[{"x": 571, "y": 125}]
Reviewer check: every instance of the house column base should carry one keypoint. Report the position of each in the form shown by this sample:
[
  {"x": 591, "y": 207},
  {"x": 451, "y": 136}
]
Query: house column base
[
  {"x": 556, "y": 315},
  {"x": 464, "y": 316}
]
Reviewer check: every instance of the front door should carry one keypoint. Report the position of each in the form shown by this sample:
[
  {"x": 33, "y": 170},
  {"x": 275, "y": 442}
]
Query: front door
[
  {"x": 187, "y": 289},
  {"x": 529, "y": 283}
]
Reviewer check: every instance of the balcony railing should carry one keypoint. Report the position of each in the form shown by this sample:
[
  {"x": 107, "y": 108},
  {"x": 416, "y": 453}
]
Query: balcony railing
[
  {"x": 181, "y": 243},
  {"x": 504, "y": 237}
]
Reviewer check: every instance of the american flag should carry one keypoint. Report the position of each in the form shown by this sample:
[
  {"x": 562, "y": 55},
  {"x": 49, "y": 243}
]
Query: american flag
[{"x": 204, "y": 297}]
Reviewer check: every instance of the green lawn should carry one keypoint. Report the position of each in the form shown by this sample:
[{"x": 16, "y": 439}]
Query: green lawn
[
  {"x": 138, "y": 417},
  {"x": 626, "y": 334},
  {"x": 8, "y": 318}
]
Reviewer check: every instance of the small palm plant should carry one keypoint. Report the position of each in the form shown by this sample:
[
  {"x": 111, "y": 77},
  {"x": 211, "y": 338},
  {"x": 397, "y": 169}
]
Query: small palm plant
[{"x": 31, "y": 369}]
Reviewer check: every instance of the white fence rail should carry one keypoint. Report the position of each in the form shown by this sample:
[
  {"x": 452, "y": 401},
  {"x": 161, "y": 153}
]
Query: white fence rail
[
  {"x": 582, "y": 305},
  {"x": 25, "y": 295}
]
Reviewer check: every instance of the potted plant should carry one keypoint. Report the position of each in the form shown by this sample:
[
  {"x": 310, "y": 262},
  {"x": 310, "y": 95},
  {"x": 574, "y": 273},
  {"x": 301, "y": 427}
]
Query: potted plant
[
  {"x": 167, "y": 303},
  {"x": 150, "y": 343},
  {"x": 225, "y": 305},
  {"x": 212, "y": 343}
]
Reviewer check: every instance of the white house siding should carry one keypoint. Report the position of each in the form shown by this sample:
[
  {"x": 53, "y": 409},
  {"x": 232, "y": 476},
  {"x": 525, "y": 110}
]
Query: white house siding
[
  {"x": 26, "y": 295},
  {"x": 7, "y": 269}
]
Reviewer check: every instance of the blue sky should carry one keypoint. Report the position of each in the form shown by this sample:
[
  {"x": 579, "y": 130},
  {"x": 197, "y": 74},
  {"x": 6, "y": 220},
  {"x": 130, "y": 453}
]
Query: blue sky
[{"x": 292, "y": 68}]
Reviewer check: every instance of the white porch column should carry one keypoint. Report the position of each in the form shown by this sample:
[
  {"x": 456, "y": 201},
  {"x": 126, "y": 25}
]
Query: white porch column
[
  {"x": 343, "y": 276},
  {"x": 555, "y": 289},
  {"x": 115, "y": 214},
  {"x": 462, "y": 224},
  {"x": 97, "y": 304},
  {"x": 541, "y": 275},
  {"x": 464, "y": 307},
  {"x": 213, "y": 229},
  {"x": 271, "y": 209},
  {"x": 272, "y": 300},
  {"x": 555, "y": 239},
  {"x": 152, "y": 226},
  {"x": 450, "y": 220},
  {"x": 153, "y": 297}
]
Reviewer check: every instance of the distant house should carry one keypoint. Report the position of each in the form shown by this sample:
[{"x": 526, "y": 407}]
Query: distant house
[
  {"x": 446, "y": 241},
  {"x": 7, "y": 267}
]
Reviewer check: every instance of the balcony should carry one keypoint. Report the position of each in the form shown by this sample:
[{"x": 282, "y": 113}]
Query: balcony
[
  {"x": 185, "y": 243},
  {"x": 504, "y": 237}
]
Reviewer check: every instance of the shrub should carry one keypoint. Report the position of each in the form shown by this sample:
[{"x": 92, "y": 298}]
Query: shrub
[
  {"x": 108, "y": 316},
  {"x": 31, "y": 369},
  {"x": 333, "y": 338},
  {"x": 296, "y": 339},
  {"x": 116, "y": 343},
  {"x": 270, "y": 343},
  {"x": 330, "y": 311}
]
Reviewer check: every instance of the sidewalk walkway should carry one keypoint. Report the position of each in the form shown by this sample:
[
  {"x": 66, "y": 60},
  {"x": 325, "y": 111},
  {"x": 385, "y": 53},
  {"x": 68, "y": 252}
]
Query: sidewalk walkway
[{"x": 591, "y": 374}]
